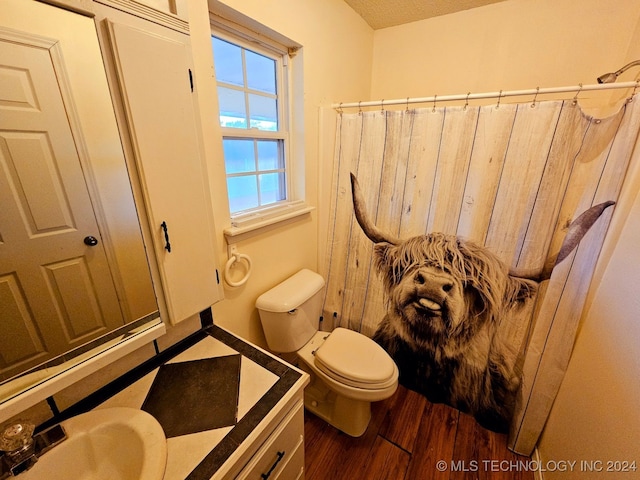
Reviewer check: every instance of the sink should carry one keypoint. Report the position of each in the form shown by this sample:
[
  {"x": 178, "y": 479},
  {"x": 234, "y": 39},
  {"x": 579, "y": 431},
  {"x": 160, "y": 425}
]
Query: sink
[{"x": 116, "y": 443}]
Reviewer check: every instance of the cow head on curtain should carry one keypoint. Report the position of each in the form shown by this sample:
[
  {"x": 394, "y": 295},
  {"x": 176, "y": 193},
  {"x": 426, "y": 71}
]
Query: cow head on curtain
[{"x": 446, "y": 298}]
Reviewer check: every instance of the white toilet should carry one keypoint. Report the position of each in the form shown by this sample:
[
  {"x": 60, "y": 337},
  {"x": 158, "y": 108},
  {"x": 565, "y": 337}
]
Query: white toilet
[{"x": 348, "y": 370}]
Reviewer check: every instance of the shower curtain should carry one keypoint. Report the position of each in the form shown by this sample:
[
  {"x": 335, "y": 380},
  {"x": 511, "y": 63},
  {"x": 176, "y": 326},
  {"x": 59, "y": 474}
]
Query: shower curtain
[{"x": 507, "y": 176}]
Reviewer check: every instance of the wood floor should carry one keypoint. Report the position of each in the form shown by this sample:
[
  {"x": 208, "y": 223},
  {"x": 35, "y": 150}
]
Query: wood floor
[{"x": 406, "y": 439}]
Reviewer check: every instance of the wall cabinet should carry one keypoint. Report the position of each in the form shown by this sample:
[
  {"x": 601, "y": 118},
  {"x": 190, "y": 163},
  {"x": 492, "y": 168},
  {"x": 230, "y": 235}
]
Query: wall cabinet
[
  {"x": 149, "y": 68},
  {"x": 170, "y": 13}
]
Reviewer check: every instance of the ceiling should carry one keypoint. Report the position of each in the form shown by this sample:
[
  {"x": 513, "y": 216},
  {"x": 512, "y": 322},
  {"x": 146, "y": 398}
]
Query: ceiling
[{"x": 387, "y": 13}]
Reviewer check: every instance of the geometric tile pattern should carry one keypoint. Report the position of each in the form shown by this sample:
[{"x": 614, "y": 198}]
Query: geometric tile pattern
[{"x": 195, "y": 396}]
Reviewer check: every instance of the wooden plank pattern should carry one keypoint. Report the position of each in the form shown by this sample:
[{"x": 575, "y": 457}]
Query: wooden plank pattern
[
  {"x": 347, "y": 146},
  {"x": 386, "y": 461},
  {"x": 531, "y": 138},
  {"x": 369, "y": 171},
  {"x": 401, "y": 426},
  {"x": 454, "y": 156},
  {"x": 487, "y": 160},
  {"x": 406, "y": 439},
  {"x": 421, "y": 170},
  {"x": 435, "y": 442},
  {"x": 600, "y": 177},
  {"x": 567, "y": 143},
  {"x": 512, "y": 178}
]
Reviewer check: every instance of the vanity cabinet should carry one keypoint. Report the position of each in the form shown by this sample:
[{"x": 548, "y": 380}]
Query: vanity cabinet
[
  {"x": 150, "y": 73},
  {"x": 282, "y": 454}
]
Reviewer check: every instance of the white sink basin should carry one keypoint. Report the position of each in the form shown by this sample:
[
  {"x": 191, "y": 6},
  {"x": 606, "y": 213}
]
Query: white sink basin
[{"x": 110, "y": 444}]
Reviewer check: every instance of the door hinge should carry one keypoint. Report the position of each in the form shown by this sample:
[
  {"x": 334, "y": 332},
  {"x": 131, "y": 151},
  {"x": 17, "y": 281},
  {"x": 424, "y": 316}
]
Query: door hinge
[
  {"x": 217, "y": 277},
  {"x": 191, "y": 80}
]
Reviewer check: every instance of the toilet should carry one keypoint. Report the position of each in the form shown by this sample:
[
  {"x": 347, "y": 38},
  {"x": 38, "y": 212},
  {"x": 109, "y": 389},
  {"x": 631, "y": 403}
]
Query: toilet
[{"x": 348, "y": 370}]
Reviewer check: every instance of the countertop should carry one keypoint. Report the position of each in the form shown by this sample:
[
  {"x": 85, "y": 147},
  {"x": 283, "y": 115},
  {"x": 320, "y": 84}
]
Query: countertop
[{"x": 216, "y": 401}]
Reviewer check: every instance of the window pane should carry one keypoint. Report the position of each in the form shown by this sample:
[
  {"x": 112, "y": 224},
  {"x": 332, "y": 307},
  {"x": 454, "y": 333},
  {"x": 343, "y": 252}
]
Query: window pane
[
  {"x": 272, "y": 188},
  {"x": 228, "y": 62},
  {"x": 249, "y": 98},
  {"x": 268, "y": 155},
  {"x": 243, "y": 193},
  {"x": 233, "y": 112},
  {"x": 239, "y": 156},
  {"x": 261, "y": 72},
  {"x": 264, "y": 113}
]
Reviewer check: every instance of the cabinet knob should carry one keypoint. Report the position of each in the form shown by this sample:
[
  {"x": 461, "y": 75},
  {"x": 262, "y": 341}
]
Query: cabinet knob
[{"x": 90, "y": 241}]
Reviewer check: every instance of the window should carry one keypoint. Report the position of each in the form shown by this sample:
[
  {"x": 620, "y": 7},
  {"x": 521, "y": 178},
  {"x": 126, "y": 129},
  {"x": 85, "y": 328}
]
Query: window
[{"x": 252, "y": 95}]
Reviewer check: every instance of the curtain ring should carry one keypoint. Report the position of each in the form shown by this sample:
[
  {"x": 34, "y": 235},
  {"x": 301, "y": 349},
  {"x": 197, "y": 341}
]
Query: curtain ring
[
  {"x": 359, "y": 107},
  {"x": 466, "y": 102},
  {"x": 499, "y": 98},
  {"x": 435, "y": 97},
  {"x": 407, "y": 110},
  {"x": 340, "y": 109},
  {"x": 533, "y": 105},
  {"x": 382, "y": 106},
  {"x": 575, "y": 98}
]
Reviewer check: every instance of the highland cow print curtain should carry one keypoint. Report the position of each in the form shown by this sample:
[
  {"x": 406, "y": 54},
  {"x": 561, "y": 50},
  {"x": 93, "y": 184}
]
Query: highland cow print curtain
[{"x": 509, "y": 177}]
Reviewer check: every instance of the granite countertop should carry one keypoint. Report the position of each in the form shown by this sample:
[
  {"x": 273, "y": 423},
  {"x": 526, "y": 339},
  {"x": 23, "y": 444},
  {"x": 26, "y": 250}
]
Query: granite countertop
[{"x": 211, "y": 400}]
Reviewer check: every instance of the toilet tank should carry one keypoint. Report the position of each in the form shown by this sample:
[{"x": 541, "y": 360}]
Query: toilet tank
[{"x": 290, "y": 311}]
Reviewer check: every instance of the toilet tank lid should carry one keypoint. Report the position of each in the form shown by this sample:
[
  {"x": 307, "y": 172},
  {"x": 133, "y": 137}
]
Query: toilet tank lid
[{"x": 291, "y": 293}]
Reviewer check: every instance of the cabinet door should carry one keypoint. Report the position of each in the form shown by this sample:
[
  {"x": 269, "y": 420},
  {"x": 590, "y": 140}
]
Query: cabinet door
[{"x": 155, "y": 82}]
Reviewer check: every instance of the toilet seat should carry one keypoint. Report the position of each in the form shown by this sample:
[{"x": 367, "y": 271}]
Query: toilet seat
[{"x": 355, "y": 360}]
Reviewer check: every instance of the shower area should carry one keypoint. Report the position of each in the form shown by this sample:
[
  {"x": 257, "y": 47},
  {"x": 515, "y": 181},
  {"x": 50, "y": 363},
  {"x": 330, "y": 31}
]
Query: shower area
[{"x": 508, "y": 170}]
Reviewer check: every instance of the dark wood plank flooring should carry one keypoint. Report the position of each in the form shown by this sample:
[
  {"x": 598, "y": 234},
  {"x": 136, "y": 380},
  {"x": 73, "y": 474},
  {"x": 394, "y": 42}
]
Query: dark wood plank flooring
[{"x": 406, "y": 439}]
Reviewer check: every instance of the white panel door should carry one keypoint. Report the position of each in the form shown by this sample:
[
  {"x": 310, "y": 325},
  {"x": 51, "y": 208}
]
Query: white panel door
[
  {"x": 56, "y": 288},
  {"x": 154, "y": 77}
]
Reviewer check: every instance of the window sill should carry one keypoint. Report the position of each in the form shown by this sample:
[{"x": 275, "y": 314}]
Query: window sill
[{"x": 261, "y": 220}]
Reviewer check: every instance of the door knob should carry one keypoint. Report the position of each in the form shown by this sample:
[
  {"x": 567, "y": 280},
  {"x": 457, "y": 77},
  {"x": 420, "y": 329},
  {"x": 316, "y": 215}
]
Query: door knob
[{"x": 91, "y": 241}]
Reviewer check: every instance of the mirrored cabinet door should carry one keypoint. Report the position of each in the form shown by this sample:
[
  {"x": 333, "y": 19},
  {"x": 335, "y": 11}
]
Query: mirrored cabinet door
[{"x": 73, "y": 267}]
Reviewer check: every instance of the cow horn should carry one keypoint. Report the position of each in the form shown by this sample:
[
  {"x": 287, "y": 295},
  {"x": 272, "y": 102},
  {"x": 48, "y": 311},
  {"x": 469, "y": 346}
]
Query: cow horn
[
  {"x": 360, "y": 209},
  {"x": 578, "y": 229}
]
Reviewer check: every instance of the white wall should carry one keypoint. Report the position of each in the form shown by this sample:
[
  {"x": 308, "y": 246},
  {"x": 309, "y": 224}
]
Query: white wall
[
  {"x": 508, "y": 45},
  {"x": 337, "y": 48}
]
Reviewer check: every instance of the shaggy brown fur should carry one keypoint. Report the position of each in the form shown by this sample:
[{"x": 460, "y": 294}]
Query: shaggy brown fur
[{"x": 445, "y": 299}]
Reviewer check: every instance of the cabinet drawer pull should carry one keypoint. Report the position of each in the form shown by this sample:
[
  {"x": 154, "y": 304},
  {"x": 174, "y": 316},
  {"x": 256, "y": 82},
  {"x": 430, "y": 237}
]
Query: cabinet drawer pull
[
  {"x": 264, "y": 476},
  {"x": 167, "y": 245}
]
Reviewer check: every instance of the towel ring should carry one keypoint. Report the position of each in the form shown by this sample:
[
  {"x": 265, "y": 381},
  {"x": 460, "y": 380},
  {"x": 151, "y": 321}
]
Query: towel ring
[{"x": 233, "y": 259}]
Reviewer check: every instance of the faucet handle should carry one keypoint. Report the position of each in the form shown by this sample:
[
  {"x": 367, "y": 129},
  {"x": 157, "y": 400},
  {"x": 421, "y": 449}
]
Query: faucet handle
[{"x": 16, "y": 436}]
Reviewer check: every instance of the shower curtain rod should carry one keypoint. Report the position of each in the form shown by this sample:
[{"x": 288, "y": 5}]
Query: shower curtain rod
[{"x": 475, "y": 96}]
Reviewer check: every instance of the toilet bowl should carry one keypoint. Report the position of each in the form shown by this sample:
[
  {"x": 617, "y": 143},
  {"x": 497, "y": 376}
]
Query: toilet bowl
[{"x": 348, "y": 370}]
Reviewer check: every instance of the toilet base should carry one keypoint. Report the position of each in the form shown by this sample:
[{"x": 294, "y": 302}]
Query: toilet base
[{"x": 346, "y": 414}]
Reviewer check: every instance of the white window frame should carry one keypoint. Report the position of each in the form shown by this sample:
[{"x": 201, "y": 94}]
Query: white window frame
[{"x": 293, "y": 146}]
